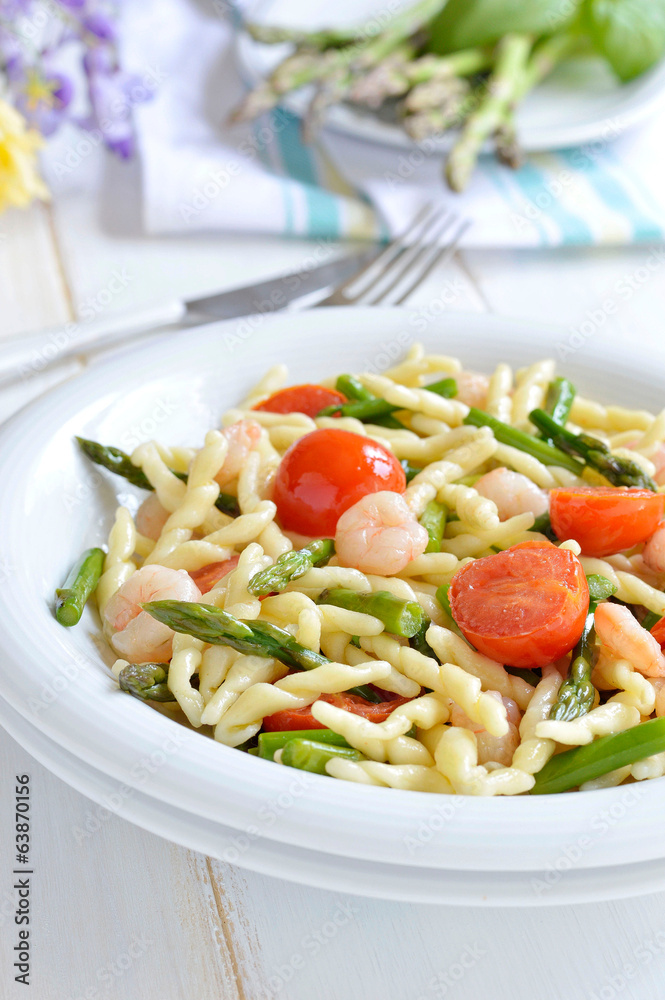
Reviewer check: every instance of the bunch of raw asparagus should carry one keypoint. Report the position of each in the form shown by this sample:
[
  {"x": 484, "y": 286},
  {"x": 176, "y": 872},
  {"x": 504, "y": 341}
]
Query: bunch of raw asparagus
[{"x": 456, "y": 64}]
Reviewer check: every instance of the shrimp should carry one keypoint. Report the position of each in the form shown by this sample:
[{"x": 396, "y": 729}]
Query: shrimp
[
  {"x": 135, "y": 634},
  {"x": 151, "y": 517},
  {"x": 472, "y": 389},
  {"x": 654, "y": 550},
  {"x": 497, "y": 749},
  {"x": 512, "y": 493},
  {"x": 627, "y": 640},
  {"x": 242, "y": 438},
  {"x": 379, "y": 535}
]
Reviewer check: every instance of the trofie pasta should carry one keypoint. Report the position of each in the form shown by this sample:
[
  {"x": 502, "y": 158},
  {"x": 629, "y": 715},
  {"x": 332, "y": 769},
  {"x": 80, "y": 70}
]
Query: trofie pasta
[{"x": 429, "y": 579}]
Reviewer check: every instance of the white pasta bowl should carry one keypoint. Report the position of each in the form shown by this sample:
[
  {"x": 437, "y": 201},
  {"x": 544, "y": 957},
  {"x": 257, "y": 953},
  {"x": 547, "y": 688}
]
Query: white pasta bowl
[{"x": 56, "y": 681}]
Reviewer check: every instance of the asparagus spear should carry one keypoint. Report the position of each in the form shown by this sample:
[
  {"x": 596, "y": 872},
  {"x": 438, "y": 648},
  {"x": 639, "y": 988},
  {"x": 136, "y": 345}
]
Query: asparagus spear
[
  {"x": 368, "y": 409},
  {"x": 327, "y": 38},
  {"x": 355, "y": 391},
  {"x": 117, "y": 461},
  {"x": 607, "y": 753},
  {"x": 352, "y": 388},
  {"x": 650, "y": 619},
  {"x": 210, "y": 624},
  {"x": 540, "y": 449},
  {"x": 419, "y": 640},
  {"x": 501, "y": 92},
  {"x": 596, "y": 454},
  {"x": 79, "y": 585},
  {"x": 559, "y": 400},
  {"x": 410, "y": 471},
  {"x": 442, "y": 598},
  {"x": 147, "y": 681},
  {"x": 290, "y": 566},
  {"x": 269, "y": 743},
  {"x": 307, "y": 755},
  {"x": 577, "y": 693},
  {"x": 543, "y": 526},
  {"x": 433, "y": 520},
  {"x": 314, "y": 60},
  {"x": 399, "y": 617}
]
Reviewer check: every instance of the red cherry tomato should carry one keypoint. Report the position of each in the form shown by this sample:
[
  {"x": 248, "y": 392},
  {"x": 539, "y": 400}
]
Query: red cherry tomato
[
  {"x": 325, "y": 473},
  {"x": 302, "y": 718},
  {"x": 524, "y": 607},
  {"x": 658, "y": 632},
  {"x": 206, "y": 577},
  {"x": 308, "y": 399},
  {"x": 605, "y": 519}
]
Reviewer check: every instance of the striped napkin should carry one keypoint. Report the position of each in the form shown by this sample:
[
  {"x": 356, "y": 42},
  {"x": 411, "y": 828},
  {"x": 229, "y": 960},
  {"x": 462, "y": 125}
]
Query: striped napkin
[{"x": 199, "y": 174}]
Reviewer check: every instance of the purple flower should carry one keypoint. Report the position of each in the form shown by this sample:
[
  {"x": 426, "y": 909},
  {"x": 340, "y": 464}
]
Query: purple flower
[
  {"x": 101, "y": 26},
  {"x": 47, "y": 96}
]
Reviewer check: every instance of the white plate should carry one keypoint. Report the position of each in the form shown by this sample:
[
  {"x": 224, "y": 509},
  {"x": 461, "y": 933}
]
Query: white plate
[
  {"x": 53, "y": 505},
  {"x": 557, "y": 887},
  {"x": 581, "y": 102}
]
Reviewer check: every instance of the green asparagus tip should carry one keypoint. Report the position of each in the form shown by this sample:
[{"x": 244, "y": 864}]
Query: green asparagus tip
[{"x": 146, "y": 681}]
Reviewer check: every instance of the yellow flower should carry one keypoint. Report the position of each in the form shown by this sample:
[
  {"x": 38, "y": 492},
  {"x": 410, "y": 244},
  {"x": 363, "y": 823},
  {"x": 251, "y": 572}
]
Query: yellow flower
[{"x": 19, "y": 173}]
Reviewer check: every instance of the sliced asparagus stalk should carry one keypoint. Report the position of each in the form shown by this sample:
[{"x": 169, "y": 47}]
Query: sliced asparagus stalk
[
  {"x": 399, "y": 617},
  {"x": 146, "y": 681},
  {"x": 270, "y": 743},
  {"x": 433, "y": 520},
  {"x": 308, "y": 755},
  {"x": 572, "y": 768},
  {"x": 70, "y": 599}
]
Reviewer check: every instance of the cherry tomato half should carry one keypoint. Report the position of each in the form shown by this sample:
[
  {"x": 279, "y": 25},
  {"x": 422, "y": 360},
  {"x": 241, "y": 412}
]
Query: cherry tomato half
[
  {"x": 302, "y": 718},
  {"x": 325, "y": 473},
  {"x": 206, "y": 577},
  {"x": 605, "y": 519},
  {"x": 658, "y": 632},
  {"x": 524, "y": 607},
  {"x": 308, "y": 399}
]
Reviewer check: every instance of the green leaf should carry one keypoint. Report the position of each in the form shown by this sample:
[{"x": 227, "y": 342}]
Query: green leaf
[
  {"x": 629, "y": 33},
  {"x": 463, "y": 24}
]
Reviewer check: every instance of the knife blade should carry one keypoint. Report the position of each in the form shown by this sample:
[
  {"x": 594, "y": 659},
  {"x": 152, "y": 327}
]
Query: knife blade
[
  {"x": 26, "y": 355},
  {"x": 277, "y": 293}
]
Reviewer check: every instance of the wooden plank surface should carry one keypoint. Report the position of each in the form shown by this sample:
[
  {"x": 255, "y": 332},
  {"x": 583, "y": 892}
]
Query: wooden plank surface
[{"x": 187, "y": 926}]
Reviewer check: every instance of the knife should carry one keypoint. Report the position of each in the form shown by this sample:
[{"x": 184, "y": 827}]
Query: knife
[{"x": 24, "y": 355}]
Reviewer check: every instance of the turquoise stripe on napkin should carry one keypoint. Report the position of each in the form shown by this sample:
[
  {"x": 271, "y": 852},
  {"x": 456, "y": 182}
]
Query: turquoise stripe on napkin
[
  {"x": 574, "y": 230},
  {"x": 609, "y": 189}
]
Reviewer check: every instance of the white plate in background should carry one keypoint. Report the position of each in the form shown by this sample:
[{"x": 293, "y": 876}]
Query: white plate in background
[{"x": 581, "y": 102}]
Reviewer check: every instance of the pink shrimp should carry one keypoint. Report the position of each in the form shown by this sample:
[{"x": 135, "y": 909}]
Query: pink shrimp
[
  {"x": 654, "y": 550},
  {"x": 242, "y": 437},
  {"x": 498, "y": 749},
  {"x": 472, "y": 389},
  {"x": 151, "y": 517},
  {"x": 512, "y": 493},
  {"x": 379, "y": 534},
  {"x": 627, "y": 640},
  {"x": 134, "y": 633}
]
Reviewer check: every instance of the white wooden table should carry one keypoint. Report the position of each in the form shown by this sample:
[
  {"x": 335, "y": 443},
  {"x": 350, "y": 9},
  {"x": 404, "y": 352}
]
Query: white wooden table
[{"x": 123, "y": 914}]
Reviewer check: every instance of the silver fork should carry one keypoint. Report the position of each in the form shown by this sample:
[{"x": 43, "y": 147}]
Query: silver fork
[{"x": 405, "y": 263}]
